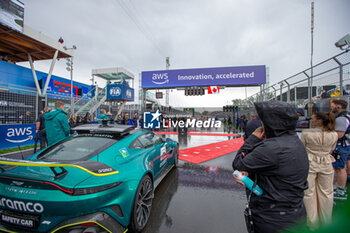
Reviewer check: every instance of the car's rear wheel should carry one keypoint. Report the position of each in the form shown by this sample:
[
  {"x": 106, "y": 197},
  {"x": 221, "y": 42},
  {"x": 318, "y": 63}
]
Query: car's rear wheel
[
  {"x": 142, "y": 205},
  {"x": 176, "y": 158}
]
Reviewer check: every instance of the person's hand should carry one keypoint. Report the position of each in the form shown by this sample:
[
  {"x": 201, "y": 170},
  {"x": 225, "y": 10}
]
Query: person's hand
[
  {"x": 259, "y": 133},
  {"x": 36, "y": 131},
  {"x": 237, "y": 180}
]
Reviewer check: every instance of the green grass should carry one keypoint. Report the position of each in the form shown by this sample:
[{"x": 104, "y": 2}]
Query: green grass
[{"x": 4, "y": 151}]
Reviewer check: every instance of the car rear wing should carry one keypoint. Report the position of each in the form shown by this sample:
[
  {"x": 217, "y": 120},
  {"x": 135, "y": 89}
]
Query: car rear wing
[{"x": 92, "y": 167}]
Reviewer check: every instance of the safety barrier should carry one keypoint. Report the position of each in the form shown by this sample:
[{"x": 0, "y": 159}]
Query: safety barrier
[{"x": 329, "y": 75}]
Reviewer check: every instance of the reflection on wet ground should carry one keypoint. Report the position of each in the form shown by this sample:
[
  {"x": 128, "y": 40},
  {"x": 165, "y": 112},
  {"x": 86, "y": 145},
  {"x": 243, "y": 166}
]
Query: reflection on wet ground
[
  {"x": 193, "y": 198},
  {"x": 199, "y": 198}
]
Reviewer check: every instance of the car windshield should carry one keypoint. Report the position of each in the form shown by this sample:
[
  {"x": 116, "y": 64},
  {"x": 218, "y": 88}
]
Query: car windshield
[{"x": 77, "y": 148}]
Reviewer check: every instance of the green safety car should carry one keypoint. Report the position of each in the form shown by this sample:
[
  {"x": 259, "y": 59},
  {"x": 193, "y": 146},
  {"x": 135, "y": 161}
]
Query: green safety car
[{"x": 100, "y": 180}]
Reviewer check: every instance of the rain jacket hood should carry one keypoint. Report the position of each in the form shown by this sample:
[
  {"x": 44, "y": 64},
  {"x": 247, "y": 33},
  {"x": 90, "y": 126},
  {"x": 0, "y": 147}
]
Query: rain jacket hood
[
  {"x": 53, "y": 114},
  {"x": 278, "y": 117}
]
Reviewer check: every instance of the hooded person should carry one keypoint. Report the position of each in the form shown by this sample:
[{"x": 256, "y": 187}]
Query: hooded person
[
  {"x": 277, "y": 159},
  {"x": 56, "y": 124}
]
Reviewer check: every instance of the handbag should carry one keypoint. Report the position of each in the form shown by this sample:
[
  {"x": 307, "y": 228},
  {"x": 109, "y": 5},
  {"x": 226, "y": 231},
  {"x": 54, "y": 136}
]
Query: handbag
[{"x": 248, "y": 213}]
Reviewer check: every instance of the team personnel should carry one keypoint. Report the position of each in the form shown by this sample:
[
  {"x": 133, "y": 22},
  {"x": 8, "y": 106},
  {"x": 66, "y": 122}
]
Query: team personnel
[
  {"x": 56, "y": 124},
  {"x": 280, "y": 165},
  {"x": 342, "y": 151}
]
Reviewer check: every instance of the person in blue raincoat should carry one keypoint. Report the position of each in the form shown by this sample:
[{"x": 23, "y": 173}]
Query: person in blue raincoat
[{"x": 103, "y": 115}]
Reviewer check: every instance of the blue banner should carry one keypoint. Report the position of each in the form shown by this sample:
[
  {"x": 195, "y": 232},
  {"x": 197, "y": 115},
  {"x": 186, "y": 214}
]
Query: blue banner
[
  {"x": 13, "y": 135},
  {"x": 222, "y": 76},
  {"x": 120, "y": 92}
]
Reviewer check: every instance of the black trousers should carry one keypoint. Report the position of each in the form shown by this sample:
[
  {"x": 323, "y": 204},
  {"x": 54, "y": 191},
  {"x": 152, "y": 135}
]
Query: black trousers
[
  {"x": 42, "y": 140},
  {"x": 278, "y": 219}
]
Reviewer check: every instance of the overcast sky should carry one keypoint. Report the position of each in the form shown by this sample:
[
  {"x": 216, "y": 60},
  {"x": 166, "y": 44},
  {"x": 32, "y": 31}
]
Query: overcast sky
[{"x": 139, "y": 34}]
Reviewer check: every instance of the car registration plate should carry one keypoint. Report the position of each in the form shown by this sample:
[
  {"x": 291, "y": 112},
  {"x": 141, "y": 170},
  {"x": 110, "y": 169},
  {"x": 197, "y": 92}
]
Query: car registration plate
[{"x": 24, "y": 220}]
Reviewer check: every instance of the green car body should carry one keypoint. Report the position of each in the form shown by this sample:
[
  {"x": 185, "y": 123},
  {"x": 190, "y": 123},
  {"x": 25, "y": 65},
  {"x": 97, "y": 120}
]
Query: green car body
[{"x": 91, "y": 186}]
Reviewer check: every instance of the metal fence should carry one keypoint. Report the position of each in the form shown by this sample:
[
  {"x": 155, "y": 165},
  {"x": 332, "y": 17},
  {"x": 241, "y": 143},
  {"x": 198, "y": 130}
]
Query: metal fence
[
  {"x": 18, "y": 106},
  {"x": 331, "y": 75}
]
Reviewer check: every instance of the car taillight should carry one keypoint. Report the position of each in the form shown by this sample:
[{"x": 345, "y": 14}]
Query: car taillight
[{"x": 84, "y": 191}]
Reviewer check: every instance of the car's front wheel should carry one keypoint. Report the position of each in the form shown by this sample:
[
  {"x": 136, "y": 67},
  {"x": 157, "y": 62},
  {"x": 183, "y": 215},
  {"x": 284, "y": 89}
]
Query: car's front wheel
[{"x": 142, "y": 205}]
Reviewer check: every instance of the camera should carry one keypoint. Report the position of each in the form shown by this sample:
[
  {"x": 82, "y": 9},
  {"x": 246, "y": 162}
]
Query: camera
[{"x": 344, "y": 41}]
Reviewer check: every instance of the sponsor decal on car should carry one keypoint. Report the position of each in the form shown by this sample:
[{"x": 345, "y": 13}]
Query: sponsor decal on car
[
  {"x": 21, "y": 205},
  {"x": 163, "y": 156},
  {"x": 124, "y": 152}
]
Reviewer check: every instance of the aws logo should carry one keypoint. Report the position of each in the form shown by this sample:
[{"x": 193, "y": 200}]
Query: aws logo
[
  {"x": 160, "y": 78},
  {"x": 14, "y": 133}
]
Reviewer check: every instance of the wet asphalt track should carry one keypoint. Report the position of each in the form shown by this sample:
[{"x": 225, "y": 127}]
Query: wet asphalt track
[{"x": 199, "y": 198}]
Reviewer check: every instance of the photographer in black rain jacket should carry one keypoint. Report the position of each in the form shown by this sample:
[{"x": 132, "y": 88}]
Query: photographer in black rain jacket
[{"x": 276, "y": 156}]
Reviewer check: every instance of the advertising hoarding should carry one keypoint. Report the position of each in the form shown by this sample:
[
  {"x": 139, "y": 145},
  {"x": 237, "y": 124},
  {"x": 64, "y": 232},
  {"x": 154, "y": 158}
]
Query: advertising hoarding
[
  {"x": 221, "y": 76},
  {"x": 17, "y": 135}
]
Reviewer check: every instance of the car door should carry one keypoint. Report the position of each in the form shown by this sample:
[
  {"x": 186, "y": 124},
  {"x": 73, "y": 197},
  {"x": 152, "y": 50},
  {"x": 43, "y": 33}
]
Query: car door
[
  {"x": 164, "y": 150},
  {"x": 150, "y": 151}
]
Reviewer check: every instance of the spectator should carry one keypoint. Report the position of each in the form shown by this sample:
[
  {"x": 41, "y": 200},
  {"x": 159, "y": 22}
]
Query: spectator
[
  {"x": 313, "y": 107},
  {"x": 279, "y": 164},
  {"x": 103, "y": 115},
  {"x": 109, "y": 114},
  {"x": 251, "y": 127},
  {"x": 319, "y": 143},
  {"x": 242, "y": 123},
  {"x": 229, "y": 122},
  {"x": 87, "y": 118},
  {"x": 40, "y": 128},
  {"x": 342, "y": 150},
  {"x": 141, "y": 121},
  {"x": 119, "y": 119},
  {"x": 79, "y": 120},
  {"x": 56, "y": 124},
  {"x": 325, "y": 94},
  {"x": 336, "y": 93},
  {"x": 126, "y": 118},
  {"x": 72, "y": 123},
  {"x": 300, "y": 112},
  {"x": 135, "y": 120},
  {"x": 28, "y": 118}
]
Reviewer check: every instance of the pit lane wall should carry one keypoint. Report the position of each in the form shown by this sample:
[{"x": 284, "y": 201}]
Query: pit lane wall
[{"x": 12, "y": 136}]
